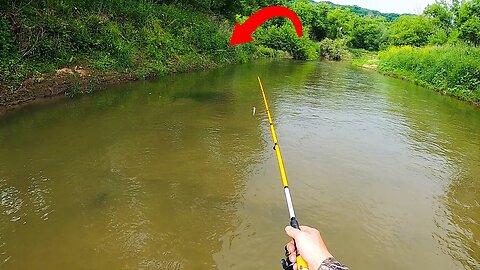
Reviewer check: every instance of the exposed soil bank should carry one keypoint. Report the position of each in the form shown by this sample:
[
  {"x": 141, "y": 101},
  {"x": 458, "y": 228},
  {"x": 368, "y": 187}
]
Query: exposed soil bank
[
  {"x": 73, "y": 81},
  {"x": 70, "y": 81}
]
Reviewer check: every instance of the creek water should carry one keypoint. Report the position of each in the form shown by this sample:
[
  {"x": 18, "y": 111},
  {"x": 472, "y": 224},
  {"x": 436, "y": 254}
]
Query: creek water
[{"x": 178, "y": 173}]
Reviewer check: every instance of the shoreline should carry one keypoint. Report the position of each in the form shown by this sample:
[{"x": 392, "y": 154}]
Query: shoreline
[
  {"x": 374, "y": 67},
  {"x": 68, "y": 81},
  {"x": 76, "y": 80}
]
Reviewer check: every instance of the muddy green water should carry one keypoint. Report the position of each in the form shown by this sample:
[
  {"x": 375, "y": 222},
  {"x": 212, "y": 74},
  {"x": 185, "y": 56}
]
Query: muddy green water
[{"x": 178, "y": 174}]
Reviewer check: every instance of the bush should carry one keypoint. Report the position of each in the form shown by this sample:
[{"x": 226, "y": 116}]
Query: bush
[
  {"x": 285, "y": 38},
  {"x": 334, "y": 50},
  {"x": 10, "y": 70}
]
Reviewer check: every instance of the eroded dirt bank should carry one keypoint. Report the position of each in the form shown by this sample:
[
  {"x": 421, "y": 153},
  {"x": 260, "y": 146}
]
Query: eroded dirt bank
[{"x": 69, "y": 81}]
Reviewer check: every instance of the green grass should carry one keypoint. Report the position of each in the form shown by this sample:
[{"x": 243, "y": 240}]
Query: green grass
[{"x": 451, "y": 70}]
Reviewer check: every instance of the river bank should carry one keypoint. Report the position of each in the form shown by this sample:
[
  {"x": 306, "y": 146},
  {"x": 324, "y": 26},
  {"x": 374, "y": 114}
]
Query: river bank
[
  {"x": 72, "y": 81},
  {"x": 66, "y": 81},
  {"x": 75, "y": 47}
]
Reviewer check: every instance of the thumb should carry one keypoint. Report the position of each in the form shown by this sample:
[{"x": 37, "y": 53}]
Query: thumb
[{"x": 292, "y": 232}]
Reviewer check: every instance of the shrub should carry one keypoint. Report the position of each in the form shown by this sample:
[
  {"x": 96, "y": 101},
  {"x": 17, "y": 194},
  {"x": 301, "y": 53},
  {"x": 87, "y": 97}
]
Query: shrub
[
  {"x": 333, "y": 49},
  {"x": 285, "y": 38},
  {"x": 12, "y": 70}
]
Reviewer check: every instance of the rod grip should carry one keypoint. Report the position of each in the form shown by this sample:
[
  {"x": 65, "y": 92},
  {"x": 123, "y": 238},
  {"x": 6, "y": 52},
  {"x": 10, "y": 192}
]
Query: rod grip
[{"x": 301, "y": 263}]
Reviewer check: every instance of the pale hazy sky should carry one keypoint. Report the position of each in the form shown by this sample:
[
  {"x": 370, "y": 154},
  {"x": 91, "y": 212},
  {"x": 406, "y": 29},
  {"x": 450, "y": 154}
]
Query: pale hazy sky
[{"x": 406, "y": 6}]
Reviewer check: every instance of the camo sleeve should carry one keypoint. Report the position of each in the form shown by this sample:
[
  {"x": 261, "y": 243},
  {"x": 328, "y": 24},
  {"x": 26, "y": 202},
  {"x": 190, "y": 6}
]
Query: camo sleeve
[{"x": 332, "y": 264}]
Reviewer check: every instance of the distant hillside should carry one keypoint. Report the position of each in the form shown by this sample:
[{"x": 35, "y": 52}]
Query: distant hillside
[{"x": 365, "y": 12}]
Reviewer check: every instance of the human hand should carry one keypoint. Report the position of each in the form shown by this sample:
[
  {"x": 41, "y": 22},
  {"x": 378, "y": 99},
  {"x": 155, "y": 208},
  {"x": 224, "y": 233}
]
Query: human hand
[{"x": 309, "y": 244}]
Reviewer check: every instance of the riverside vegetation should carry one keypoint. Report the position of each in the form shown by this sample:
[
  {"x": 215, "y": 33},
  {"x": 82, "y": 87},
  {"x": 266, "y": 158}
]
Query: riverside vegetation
[
  {"x": 146, "y": 38},
  {"x": 451, "y": 70}
]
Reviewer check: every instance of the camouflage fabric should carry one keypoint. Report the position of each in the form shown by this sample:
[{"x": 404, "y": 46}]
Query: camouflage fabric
[{"x": 332, "y": 264}]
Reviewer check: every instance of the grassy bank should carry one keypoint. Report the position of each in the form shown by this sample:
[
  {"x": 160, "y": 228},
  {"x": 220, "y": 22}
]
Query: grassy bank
[
  {"x": 453, "y": 71},
  {"x": 139, "y": 38}
]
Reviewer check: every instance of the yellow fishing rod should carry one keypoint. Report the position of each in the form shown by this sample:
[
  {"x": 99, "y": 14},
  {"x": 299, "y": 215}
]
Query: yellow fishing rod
[{"x": 301, "y": 264}]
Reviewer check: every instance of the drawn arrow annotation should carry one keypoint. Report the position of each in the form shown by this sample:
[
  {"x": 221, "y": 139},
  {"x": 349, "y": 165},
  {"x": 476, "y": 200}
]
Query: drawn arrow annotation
[{"x": 242, "y": 33}]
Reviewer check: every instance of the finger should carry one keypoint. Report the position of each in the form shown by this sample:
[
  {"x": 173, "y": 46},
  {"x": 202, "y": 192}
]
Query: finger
[
  {"x": 293, "y": 257},
  {"x": 308, "y": 229},
  {"x": 304, "y": 228},
  {"x": 291, "y": 247},
  {"x": 292, "y": 254},
  {"x": 292, "y": 232},
  {"x": 295, "y": 267}
]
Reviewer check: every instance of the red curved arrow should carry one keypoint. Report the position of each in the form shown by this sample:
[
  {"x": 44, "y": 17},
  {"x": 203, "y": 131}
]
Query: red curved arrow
[{"x": 243, "y": 32}]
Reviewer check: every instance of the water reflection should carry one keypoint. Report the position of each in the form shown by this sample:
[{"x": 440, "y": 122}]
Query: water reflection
[
  {"x": 462, "y": 239},
  {"x": 11, "y": 202},
  {"x": 21, "y": 206},
  {"x": 448, "y": 130}
]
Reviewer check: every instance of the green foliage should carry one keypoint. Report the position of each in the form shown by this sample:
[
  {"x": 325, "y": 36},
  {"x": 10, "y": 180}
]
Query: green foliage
[
  {"x": 10, "y": 66},
  {"x": 8, "y": 51},
  {"x": 75, "y": 91},
  {"x": 453, "y": 70},
  {"x": 368, "y": 33},
  {"x": 340, "y": 23},
  {"x": 411, "y": 30},
  {"x": 470, "y": 30},
  {"x": 439, "y": 37},
  {"x": 314, "y": 16},
  {"x": 225, "y": 7},
  {"x": 320, "y": 21},
  {"x": 248, "y": 7},
  {"x": 334, "y": 50},
  {"x": 455, "y": 22},
  {"x": 357, "y": 31},
  {"x": 129, "y": 36},
  {"x": 285, "y": 38},
  {"x": 7, "y": 39},
  {"x": 468, "y": 10},
  {"x": 364, "y": 58},
  {"x": 441, "y": 14}
]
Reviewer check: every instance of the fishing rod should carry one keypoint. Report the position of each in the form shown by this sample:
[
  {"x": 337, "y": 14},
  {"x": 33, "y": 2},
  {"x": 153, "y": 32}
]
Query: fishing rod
[{"x": 286, "y": 264}]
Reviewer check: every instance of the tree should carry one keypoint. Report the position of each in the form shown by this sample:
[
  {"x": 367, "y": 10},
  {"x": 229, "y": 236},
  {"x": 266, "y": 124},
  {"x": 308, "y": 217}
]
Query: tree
[
  {"x": 411, "y": 30},
  {"x": 340, "y": 23},
  {"x": 441, "y": 15},
  {"x": 468, "y": 22},
  {"x": 368, "y": 33},
  {"x": 313, "y": 15},
  {"x": 470, "y": 31}
]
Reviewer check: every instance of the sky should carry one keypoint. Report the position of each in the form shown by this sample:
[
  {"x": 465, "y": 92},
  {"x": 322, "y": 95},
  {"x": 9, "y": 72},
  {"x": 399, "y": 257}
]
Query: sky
[{"x": 389, "y": 6}]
